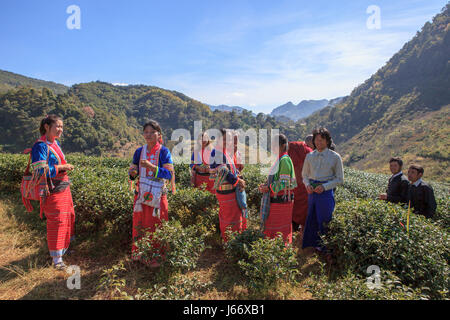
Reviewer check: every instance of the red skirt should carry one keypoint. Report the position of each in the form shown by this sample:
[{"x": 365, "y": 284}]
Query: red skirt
[
  {"x": 145, "y": 221},
  {"x": 300, "y": 210},
  {"x": 60, "y": 214},
  {"x": 230, "y": 215},
  {"x": 199, "y": 180},
  {"x": 279, "y": 220}
]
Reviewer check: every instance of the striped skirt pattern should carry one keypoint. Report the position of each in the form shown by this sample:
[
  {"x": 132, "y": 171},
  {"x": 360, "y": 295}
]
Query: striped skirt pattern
[
  {"x": 230, "y": 215},
  {"x": 60, "y": 214},
  {"x": 279, "y": 220}
]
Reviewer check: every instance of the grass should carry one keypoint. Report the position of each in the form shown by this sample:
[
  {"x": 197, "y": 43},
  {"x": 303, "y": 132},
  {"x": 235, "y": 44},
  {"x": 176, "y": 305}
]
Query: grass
[{"x": 26, "y": 271}]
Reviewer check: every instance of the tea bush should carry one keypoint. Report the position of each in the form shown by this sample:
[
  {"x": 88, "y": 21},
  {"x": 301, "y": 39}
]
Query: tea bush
[
  {"x": 182, "y": 175},
  {"x": 368, "y": 232},
  {"x": 178, "y": 288},
  {"x": 363, "y": 232},
  {"x": 253, "y": 178},
  {"x": 179, "y": 247},
  {"x": 192, "y": 206},
  {"x": 238, "y": 244},
  {"x": 269, "y": 261},
  {"x": 352, "y": 287},
  {"x": 12, "y": 167},
  {"x": 364, "y": 184}
]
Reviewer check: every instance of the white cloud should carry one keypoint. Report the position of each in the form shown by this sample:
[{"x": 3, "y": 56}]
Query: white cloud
[{"x": 304, "y": 63}]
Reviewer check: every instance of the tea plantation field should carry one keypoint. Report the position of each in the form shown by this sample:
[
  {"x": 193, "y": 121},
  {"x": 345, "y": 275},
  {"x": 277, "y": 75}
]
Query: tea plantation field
[{"x": 364, "y": 232}]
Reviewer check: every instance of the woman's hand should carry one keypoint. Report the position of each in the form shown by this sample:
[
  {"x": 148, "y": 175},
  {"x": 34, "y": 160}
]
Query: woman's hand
[
  {"x": 310, "y": 189},
  {"x": 263, "y": 188},
  {"x": 241, "y": 183},
  {"x": 382, "y": 196},
  {"x": 147, "y": 164},
  {"x": 319, "y": 189},
  {"x": 65, "y": 167}
]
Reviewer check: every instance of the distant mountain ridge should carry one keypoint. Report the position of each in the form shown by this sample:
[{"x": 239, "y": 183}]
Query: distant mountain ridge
[
  {"x": 402, "y": 110},
  {"x": 302, "y": 110},
  {"x": 226, "y": 108},
  {"x": 10, "y": 80}
]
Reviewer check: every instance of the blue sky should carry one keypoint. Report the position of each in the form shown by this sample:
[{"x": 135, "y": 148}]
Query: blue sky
[{"x": 257, "y": 54}]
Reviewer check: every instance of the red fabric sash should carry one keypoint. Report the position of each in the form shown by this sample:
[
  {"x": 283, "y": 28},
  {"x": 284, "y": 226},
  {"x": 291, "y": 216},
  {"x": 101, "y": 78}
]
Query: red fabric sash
[
  {"x": 153, "y": 152},
  {"x": 55, "y": 149},
  {"x": 229, "y": 161}
]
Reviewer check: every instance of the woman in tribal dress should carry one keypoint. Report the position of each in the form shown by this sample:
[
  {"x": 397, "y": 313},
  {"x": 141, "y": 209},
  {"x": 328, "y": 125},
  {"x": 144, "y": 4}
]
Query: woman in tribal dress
[
  {"x": 153, "y": 164},
  {"x": 200, "y": 162},
  {"x": 278, "y": 199},
  {"x": 49, "y": 169}
]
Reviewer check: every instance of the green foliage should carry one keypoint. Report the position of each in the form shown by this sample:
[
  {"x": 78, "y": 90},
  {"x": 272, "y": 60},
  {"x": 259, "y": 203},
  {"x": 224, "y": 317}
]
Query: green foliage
[
  {"x": 269, "y": 261},
  {"x": 182, "y": 175},
  {"x": 192, "y": 206},
  {"x": 253, "y": 178},
  {"x": 179, "y": 247},
  {"x": 364, "y": 233},
  {"x": 353, "y": 287},
  {"x": 9, "y": 80},
  {"x": 238, "y": 244},
  {"x": 112, "y": 281},
  {"x": 178, "y": 288}
]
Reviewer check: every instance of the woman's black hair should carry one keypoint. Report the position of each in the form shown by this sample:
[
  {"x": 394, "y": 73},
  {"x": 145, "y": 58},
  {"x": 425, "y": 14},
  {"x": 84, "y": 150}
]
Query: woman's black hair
[
  {"x": 50, "y": 120},
  {"x": 282, "y": 140},
  {"x": 154, "y": 124},
  {"x": 324, "y": 133}
]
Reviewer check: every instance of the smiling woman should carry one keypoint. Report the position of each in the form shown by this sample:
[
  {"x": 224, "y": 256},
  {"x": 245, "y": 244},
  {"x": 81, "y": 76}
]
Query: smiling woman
[
  {"x": 153, "y": 164},
  {"x": 50, "y": 168}
]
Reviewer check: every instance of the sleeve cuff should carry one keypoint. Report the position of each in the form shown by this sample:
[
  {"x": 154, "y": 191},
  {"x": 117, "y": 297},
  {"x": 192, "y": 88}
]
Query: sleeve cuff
[{"x": 327, "y": 186}]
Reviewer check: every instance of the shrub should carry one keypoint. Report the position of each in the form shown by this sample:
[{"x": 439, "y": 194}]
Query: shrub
[
  {"x": 101, "y": 196},
  {"x": 12, "y": 168},
  {"x": 269, "y": 260},
  {"x": 112, "y": 281},
  {"x": 182, "y": 175},
  {"x": 180, "y": 247},
  {"x": 253, "y": 178},
  {"x": 238, "y": 244},
  {"x": 352, "y": 287},
  {"x": 193, "y": 206},
  {"x": 364, "y": 233},
  {"x": 178, "y": 288}
]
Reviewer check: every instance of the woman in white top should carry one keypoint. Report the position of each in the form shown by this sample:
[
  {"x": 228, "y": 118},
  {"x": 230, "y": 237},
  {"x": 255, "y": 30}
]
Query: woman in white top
[{"x": 322, "y": 172}]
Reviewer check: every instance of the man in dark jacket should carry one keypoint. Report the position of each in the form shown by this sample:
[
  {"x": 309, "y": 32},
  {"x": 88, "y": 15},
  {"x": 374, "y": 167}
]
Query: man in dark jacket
[
  {"x": 420, "y": 194},
  {"x": 397, "y": 191}
]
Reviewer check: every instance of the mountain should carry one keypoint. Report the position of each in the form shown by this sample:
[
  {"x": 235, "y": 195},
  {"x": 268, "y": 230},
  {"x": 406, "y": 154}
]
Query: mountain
[
  {"x": 303, "y": 109},
  {"x": 226, "y": 108},
  {"x": 9, "y": 80},
  {"x": 101, "y": 118},
  {"x": 401, "y": 110}
]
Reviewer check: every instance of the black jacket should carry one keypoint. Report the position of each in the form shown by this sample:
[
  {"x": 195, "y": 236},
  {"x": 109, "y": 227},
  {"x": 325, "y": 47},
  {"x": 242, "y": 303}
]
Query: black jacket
[
  {"x": 422, "y": 199},
  {"x": 397, "y": 190}
]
